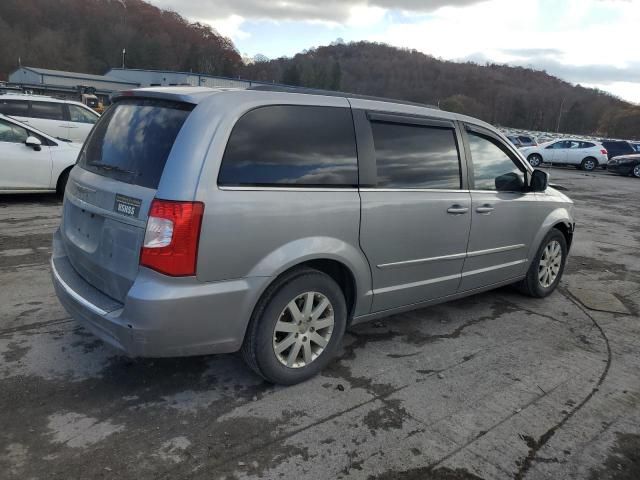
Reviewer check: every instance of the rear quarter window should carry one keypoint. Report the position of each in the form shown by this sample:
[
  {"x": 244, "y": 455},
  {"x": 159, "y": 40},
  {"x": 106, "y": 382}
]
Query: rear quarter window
[
  {"x": 291, "y": 145},
  {"x": 132, "y": 140}
]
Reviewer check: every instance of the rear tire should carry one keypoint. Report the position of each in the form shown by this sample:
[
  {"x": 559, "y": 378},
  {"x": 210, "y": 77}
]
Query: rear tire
[
  {"x": 589, "y": 164},
  {"x": 534, "y": 160},
  {"x": 284, "y": 343},
  {"x": 636, "y": 171},
  {"x": 546, "y": 268}
]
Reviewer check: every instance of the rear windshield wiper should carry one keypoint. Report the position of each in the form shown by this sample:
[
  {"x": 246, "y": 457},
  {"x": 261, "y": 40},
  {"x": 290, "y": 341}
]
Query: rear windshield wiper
[{"x": 112, "y": 168}]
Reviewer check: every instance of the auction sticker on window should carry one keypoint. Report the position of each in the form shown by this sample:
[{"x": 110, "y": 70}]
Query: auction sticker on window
[{"x": 128, "y": 206}]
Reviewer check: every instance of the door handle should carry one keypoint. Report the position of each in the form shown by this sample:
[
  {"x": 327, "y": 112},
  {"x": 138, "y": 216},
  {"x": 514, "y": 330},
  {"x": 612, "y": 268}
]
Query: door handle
[
  {"x": 485, "y": 209},
  {"x": 457, "y": 210}
]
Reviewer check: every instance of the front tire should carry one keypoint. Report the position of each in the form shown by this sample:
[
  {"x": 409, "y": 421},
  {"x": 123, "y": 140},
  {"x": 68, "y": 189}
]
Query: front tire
[
  {"x": 547, "y": 266},
  {"x": 589, "y": 164},
  {"x": 296, "y": 327},
  {"x": 535, "y": 160},
  {"x": 62, "y": 183}
]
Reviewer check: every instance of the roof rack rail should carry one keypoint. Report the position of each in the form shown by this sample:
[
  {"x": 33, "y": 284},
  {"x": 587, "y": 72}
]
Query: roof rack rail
[{"x": 331, "y": 93}]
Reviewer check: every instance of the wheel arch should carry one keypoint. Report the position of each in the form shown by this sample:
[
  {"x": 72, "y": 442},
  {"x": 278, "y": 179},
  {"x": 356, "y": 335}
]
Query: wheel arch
[
  {"x": 61, "y": 175},
  {"x": 560, "y": 219},
  {"x": 341, "y": 261}
]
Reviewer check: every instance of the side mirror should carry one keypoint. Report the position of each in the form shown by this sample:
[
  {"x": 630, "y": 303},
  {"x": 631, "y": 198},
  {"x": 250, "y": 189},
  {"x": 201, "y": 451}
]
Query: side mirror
[
  {"x": 509, "y": 182},
  {"x": 539, "y": 181},
  {"x": 34, "y": 143}
]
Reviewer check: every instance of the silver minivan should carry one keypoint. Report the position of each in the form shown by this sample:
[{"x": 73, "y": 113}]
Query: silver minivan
[{"x": 267, "y": 220}]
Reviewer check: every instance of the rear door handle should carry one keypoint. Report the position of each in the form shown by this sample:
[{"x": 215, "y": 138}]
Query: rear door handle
[
  {"x": 457, "y": 210},
  {"x": 485, "y": 209}
]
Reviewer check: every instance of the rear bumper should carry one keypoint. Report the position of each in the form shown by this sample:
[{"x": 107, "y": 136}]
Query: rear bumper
[{"x": 161, "y": 316}]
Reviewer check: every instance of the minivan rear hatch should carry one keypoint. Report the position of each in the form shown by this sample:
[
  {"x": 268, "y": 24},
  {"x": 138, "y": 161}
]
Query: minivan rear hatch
[{"x": 107, "y": 199}]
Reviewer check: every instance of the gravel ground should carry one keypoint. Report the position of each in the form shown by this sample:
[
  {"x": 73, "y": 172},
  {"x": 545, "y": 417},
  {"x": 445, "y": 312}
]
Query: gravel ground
[{"x": 493, "y": 386}]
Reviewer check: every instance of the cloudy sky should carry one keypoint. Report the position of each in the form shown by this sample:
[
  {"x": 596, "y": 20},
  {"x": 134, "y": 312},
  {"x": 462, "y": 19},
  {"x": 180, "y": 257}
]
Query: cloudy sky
[{"x": 591, "y": 42}]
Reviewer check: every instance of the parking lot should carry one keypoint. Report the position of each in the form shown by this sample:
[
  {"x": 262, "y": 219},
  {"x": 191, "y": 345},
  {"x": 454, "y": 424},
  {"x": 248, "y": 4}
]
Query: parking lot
[{"x": 493, "y": 386}]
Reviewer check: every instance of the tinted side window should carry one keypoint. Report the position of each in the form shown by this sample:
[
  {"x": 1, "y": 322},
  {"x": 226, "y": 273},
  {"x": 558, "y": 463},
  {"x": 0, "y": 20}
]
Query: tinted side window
[
  {"x": 587, "y": 145},
  {"x": 18, "y": 108},
  {"x": 81, "y": 115},
  {"x": 12, "y": 133},
  {"x": 292, "y": 145},
  {"x": 47, "y": 110},
  {"x": 493, "y": 166},
  {"x": 412, "y": 156}
]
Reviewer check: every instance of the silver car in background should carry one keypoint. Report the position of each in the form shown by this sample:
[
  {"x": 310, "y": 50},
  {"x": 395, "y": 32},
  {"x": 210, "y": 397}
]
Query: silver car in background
[{"x": 202, "y": 221}]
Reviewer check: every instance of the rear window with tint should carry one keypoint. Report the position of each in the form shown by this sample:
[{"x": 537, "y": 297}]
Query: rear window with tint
[
  {"x": 132, "y": 140},
  {"x": 18, "y": 108},
  {"x": 292, "y": 145}
]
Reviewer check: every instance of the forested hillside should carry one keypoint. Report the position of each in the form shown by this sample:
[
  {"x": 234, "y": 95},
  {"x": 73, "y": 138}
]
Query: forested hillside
[
  {"x": 510, "y": 96},
  {"x": 89, "y": 35}
]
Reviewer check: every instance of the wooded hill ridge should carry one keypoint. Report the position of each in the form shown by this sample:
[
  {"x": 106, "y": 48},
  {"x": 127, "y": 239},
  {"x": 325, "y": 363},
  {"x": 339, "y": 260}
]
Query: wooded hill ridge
[{"x": 89, "y": 35}]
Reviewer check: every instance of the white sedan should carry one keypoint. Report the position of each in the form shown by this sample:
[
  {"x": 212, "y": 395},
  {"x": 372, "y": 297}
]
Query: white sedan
[
  {"x": 32, "y": 161},
  {"x": 585, "y": 155}
]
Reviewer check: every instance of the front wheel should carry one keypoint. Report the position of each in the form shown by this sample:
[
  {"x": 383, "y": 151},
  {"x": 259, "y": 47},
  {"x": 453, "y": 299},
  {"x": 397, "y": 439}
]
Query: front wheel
[
  {"x": 547, "y": 267},
  {"x": 296, "y": 328},
  {"x": 589, "y": 164},
  {"x": 535, "y": 160}
]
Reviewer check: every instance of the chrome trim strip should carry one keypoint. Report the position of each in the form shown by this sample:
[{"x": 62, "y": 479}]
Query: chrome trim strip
[
  {"x": 74, "y": 294},
  {"x": 393, "y": 288},
  {"x": 435, "y": 190},
  {"x": 494, "y": 267},
  {"x": 418, "y": 261},
  {"x": 284, "y": 189},
  {"x": 524, "y": 194},
  {"x": 489, "y": 251},
  {"x": 454, "y": 256}
]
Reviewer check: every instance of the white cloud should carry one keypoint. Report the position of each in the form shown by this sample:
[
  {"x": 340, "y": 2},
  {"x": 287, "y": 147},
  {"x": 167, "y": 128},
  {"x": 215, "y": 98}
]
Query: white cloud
[{"x": 229, "y": 27}]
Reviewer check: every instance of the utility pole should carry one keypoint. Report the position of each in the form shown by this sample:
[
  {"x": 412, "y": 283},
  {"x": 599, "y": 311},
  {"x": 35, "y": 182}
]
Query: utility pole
[
  {"x": 124, "y": 53},
  {"x": 560, "y": 115}
]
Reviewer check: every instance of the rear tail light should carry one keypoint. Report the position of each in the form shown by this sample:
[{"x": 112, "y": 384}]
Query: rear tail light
[
  {"x": 603, "y": 151},
  {"x": 172, "y": 235}
]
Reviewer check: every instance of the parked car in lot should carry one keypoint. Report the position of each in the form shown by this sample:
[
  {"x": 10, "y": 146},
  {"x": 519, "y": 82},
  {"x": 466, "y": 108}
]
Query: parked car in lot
[
  {"x": 625, "y": 165},
  {"x": 584, "y": 155},
  {"x": 616, "y": 148},
  {"x": 32, "y": 161},
  {"x": 522, "y": 140},
  {"x": 267, "y": 221},
  {"x": 64, "y": 119}
]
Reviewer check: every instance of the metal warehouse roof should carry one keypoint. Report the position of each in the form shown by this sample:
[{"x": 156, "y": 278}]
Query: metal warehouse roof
[{"x": 82, "y": 76}]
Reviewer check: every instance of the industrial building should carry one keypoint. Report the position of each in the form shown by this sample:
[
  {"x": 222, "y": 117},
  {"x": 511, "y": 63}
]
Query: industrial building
[
  {"x": 42, "y": 81},
  {"x": 59, "y": 83}
]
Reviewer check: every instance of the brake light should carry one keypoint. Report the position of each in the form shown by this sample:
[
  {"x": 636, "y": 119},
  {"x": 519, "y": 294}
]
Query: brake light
[
  {"x": 171, "y": 238},
  {"x": 603, "y": 151}
]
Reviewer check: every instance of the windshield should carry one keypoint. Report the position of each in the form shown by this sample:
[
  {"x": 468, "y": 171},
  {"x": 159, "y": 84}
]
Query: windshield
[{"x": 132, "y": 140}]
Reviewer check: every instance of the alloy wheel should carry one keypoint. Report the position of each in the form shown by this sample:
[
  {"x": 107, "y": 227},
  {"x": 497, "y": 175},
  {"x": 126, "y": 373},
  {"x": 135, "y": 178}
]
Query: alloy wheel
[
  {"x": 550, "y": 262},
  {"x": 636, "y": 171},
  {"x": 303, "y": 329},
  {"x": 589, "y": 165}
]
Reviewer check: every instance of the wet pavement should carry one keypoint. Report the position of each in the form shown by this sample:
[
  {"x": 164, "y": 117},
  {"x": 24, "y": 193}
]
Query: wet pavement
[{"x": 493, "y": 386}]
